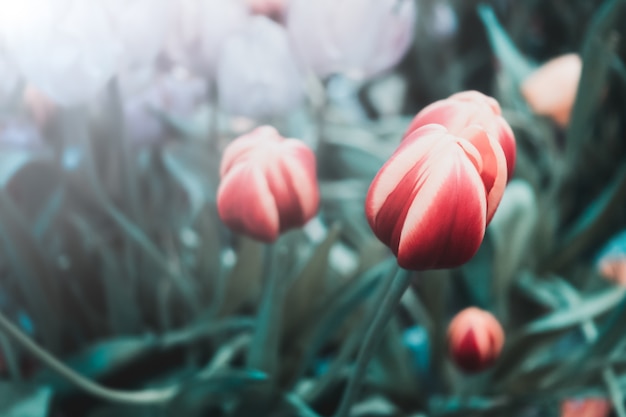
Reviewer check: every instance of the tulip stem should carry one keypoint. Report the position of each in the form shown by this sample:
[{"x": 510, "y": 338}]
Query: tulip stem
[
  {"x": 151, "y": 396},
  {"x": 263, "y": 353},
  {"x": 383, "y": 309}
]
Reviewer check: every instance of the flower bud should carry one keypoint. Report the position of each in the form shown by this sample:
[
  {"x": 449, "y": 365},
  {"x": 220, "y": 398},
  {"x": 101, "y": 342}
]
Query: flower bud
[
  {"x": 268, "y": 184},
  {"x": 200, "y": 29},
  {"x": 361, "y": 38},
  {"x": 551, "y": 90},
  {"x": 611, "y": 262},
  {"x": 257, "y": 74},
  {"x": 475, "y": 339},
  {"x": 471, "y": 108},
  {"x": 428, "y": 203}
]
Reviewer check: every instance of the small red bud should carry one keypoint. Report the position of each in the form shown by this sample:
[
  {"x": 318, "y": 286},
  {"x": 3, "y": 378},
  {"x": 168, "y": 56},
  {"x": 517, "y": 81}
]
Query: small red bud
[{"x": 475, "y": 339}]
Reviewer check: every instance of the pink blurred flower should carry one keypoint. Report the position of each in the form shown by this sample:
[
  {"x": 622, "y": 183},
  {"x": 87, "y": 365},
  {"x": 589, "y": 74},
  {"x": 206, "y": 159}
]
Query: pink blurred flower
[
  {"x": 475, "y": 339},
  {"x": 551, "y": 90},
  {"x": 360, "y": 38},
  {"x": 268, "y": 184},
  {"x": 258, "y": 75}
]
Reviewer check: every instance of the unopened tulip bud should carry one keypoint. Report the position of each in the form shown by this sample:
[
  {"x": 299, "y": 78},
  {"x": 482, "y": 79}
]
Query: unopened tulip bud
[
  {"x": 612, "y": 259},
  {"x": 257, "y": 74},
  {"x": 360, "y": 38},
  {"x": 268, "y": 184},
  {"x": 551, "y": 90},
  {"x": 475, "y": 339},
  {"x": 429, "y": 203},
  {"x": 471, "y": 108}
]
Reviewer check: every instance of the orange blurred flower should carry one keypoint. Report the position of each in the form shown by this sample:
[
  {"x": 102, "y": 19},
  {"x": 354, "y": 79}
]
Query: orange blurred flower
[
  {"x": 589, "y": 407},
  {"x": 551, "y": 90}
]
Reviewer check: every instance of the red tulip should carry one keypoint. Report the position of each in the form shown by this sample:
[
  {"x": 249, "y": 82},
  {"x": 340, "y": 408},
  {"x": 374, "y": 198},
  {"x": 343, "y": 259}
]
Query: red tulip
[
  {"x": 475, "y": 339},
  {"x": 429, "y": 202},
  {"x": 268, "y": 184},
  {"x": 473, "y": 108}
]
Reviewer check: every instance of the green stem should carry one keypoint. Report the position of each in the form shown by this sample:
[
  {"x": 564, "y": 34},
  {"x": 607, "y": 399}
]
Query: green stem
[
  {"x": 263, "y": 353},
  {"x": 387, "y": 302},
  {"x": 152, "y": 396}
]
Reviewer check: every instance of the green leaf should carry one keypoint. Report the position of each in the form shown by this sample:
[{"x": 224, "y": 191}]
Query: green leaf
[
  {"x": 100, "y": 360},
  {"x": 245, "y": 279},
  {"x": 509, "y": 56},
  {"x": 299, "y": 304},
  {"x": 24, "y": 400},
  {"x": 597, "y": 55}
]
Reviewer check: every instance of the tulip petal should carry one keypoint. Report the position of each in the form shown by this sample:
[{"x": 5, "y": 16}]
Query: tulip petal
[
  {"x": 428, "y": 202},
  {"x": 445, "y": 223},
  {"x": 246, "y": 205},
  {"x": 494, "y": 167}
]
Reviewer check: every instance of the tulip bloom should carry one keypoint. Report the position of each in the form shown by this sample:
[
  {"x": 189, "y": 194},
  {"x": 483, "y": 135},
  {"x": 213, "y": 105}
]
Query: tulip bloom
[
  {"x": 551, "y": 89},
  {"x": 268, "y": 184},
  {"x": 475, "y": 339},
  {"x": 361, "y": 38},
  {"x": 430, "y": 201}
]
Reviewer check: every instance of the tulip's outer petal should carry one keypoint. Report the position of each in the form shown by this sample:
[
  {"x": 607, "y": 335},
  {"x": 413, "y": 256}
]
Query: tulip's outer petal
[
  {"x": 285, "y": 194},
  {"x": 329, "y": 38},
  {"x": 551, "y": 89},
  {"x": 409, "y": 202},
  {"x": 475, "y": 339},
  {"x": 471, "y": 108},
  {"x": 245, "y": 145},
  {"x": 258, "y": 75},
  {"x": 67, "y": 48},
  {"x": 246, "y": 205},
  {"x": 493, "y": 168}
]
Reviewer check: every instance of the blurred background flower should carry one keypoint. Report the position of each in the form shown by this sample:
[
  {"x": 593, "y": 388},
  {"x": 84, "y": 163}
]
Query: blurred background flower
[
  {"x": 328, "y": 36},
  {"x": 200, "y": 29},
  {"x": 257, "y": 74}
]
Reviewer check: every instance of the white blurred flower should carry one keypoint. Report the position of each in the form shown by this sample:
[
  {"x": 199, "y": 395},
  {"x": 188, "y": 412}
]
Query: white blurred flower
[
  {"x": 443, "y": 22},
  {"x": 9, "y": 76},
  {"x": 257, "y": 74},
  {"x": 200, "y": 29},
  {"x": 141, "y": 26},
  {"x": 176, "y": 94},
  {"x": 66, "y": 48},
  {"x": 18, "y": 133},
  {"x": 360, "y": 38}
]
